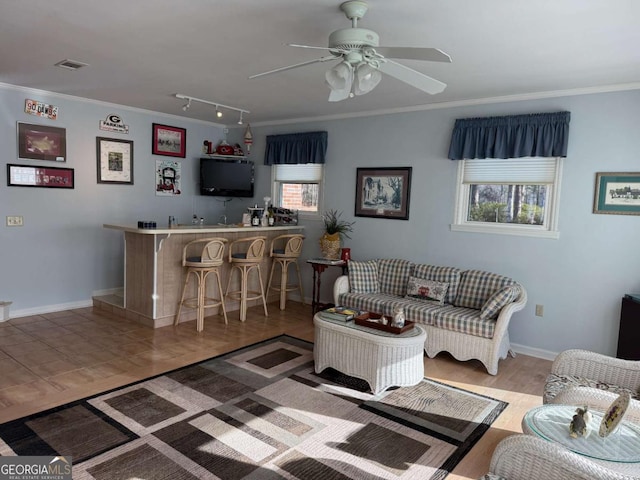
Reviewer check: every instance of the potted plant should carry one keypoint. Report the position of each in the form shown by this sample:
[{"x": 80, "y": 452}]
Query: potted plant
[{"x": 334, "y": 230}]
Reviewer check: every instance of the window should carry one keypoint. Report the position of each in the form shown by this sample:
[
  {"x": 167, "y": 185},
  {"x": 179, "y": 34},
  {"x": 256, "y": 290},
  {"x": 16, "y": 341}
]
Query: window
[
  {"x": 298, "y": 187},
  {"x": 509, "y": 196}
]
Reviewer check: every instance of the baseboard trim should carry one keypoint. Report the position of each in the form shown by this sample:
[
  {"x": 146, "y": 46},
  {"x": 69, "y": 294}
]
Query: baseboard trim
[
  {"x": 534, "y": 352},
  {"x": 27, "y": 312}
]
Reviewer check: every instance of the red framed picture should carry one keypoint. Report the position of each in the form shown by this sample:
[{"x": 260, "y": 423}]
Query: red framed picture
[
  {"x": 48, "y": 177},
  {"x": 169, "y": 141}
]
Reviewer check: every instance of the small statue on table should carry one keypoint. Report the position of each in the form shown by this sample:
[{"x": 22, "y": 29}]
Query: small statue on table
[{"x": 580, "y": 423}]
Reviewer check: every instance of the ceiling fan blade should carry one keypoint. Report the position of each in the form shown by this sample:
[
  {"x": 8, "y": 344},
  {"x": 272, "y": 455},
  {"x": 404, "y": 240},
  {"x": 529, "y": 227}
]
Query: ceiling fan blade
[
  {"x": 290, "y": 67},
  {"x": 414, "y": 53},
  {"x": 412, "y": 77},
  {"x": 335, "y": 51}
]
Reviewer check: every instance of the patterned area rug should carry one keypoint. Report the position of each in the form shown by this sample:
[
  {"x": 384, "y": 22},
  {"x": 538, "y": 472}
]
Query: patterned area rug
[{"x": 259, "y": 413}]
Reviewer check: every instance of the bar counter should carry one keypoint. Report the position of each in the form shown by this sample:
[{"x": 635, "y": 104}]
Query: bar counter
[{"x": 154, "y": 275}]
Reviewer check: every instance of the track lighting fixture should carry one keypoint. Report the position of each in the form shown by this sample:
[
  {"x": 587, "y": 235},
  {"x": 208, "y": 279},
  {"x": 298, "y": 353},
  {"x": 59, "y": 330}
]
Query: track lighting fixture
[{"x": 219, "y": 106}]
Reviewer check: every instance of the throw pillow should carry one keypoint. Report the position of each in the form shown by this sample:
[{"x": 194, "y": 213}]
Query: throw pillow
[
  {"x": 428, "y": 291},
  {"x": 363, "y": 276},
  {"x": 495, "y": 302}
]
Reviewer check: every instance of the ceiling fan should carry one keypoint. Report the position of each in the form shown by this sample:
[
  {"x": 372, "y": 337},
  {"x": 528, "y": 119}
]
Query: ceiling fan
[{"x": 361, "y": 60}]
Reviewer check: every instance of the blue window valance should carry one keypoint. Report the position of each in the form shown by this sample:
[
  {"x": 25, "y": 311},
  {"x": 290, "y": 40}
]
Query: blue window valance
[
  {"x": 292, "y": 148},
  {"x": 534, "y": 135}
]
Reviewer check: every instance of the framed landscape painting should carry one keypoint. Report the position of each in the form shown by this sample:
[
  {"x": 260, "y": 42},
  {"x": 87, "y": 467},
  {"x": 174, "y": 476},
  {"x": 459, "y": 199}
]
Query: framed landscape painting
[
  {"x": 169, "y": 141},
  {"x": 617, "y": 193},
  {"x": 383, "y": 192}
]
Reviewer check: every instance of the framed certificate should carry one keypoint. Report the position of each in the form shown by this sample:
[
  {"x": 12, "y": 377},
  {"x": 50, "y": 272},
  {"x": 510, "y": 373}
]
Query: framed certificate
[{"x": 115, "y": 160}]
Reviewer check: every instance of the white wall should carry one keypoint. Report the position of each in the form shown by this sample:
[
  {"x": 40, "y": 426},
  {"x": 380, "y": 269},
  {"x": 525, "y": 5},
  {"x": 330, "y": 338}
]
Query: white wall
[
  {"x": 579, "y": 278},
  {"x": 62, "y": 254}
]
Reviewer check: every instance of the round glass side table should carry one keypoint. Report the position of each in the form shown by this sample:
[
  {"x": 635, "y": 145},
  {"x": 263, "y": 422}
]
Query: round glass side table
[{"x": 551, "y": 422}]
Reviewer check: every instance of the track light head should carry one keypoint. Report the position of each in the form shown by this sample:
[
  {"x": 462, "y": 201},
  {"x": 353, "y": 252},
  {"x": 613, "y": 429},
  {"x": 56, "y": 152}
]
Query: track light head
[
  {"x": 240, "y": 121},
  {"x": 218, "y": 112},
  {"x": 186, "y": 106}
]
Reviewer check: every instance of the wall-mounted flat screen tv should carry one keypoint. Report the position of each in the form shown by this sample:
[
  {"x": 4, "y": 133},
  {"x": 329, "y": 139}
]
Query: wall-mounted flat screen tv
[{"x": 226, "y": 177}]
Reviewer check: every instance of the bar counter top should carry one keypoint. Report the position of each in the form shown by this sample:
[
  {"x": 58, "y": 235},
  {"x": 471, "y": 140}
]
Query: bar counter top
[{"x": 182, "y": 229}]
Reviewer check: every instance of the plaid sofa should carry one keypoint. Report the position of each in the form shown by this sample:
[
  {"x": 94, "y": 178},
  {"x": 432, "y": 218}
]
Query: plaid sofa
[{"x": 468, "y": 316}]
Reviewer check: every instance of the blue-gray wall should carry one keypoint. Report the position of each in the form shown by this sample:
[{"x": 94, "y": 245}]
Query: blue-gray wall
[{"x": 62, "y": 254}]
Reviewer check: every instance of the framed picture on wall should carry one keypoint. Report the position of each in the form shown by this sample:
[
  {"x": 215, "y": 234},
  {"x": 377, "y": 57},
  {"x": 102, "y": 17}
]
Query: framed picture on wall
[
  {"x": 41, "y": 142},
  {"x": 115, "y": 160},
  {"x": 169, "y": 141},
  {"x": 617, "y": 193},
  {"x": 48, "y": 177},
  {"x": 383, "y": 192}
]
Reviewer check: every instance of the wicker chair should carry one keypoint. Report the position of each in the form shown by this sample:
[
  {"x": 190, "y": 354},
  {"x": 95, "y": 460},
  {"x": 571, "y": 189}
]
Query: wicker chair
[
  {"x": 580, "y": 377},
  {"x": 525, "y": 457}
]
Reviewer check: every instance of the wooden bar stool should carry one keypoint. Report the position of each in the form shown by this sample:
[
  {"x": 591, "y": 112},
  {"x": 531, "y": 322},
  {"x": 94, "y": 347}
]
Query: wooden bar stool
[
  {"x": 285, "y": 250},
  {"x": 245, "y": 255},
  {"x": 202, "y": 257}
]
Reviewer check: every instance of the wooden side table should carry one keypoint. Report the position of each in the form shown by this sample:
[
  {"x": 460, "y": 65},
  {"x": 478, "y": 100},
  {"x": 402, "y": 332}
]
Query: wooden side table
[
  {"x": 319, "y": 265},
  {"x": 629, "y": 333}
]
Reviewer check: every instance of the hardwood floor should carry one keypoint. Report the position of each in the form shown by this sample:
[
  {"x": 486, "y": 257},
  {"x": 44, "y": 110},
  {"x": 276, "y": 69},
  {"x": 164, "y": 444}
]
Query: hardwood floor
[{"x": 51, "y": 359}]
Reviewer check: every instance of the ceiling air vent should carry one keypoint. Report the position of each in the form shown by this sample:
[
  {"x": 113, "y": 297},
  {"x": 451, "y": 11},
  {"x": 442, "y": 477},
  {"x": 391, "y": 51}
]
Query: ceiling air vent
[{"x": 71, "y": 64}]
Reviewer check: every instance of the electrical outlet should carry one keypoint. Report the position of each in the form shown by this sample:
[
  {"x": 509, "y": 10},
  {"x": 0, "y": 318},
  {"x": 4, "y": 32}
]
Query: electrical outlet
[
  {"x": 539, "y": 310},
  {"x": 15, "y": 221}
]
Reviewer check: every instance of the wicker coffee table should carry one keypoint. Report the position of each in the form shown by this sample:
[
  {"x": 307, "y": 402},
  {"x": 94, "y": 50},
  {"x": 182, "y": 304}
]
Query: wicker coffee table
[{"x": 382, "y": 359}]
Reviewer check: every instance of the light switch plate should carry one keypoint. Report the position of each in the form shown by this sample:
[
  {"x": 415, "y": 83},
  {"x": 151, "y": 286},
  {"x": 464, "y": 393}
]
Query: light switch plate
[{"x": 15, "y": 221}]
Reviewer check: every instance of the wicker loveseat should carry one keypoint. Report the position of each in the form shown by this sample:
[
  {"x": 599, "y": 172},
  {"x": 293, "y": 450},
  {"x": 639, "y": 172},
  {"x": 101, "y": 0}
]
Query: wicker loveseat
[{"x": 464, "y": 312}]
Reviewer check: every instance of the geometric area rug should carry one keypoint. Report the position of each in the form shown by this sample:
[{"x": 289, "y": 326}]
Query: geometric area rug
[{"x": 259, "y": 413}]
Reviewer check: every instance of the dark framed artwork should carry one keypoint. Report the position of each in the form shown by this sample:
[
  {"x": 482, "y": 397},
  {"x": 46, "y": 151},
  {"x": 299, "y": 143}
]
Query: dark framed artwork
[
  {"x": 617, "y": 193},
  {"x": 383, "y": 192},
  {"x": 115, "y": 160},
  {"x": 42, "y": 142},
  {"x": 47, "y": 177},
  {"x": 169, "y": 141}
]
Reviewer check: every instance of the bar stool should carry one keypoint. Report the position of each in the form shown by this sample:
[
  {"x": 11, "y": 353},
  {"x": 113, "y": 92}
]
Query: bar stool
[
  {"x": 202, "y": 257},
  {"x": 285, "y": 250},
  {"x": 245, "y": 254}
]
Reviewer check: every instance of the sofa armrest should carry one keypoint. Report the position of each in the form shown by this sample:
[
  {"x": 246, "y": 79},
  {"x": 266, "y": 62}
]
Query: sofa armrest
[
  {"x": 502, "y": 322},
  {"x": 340, "y": 286},
  {"x": 599, "y": 367}
]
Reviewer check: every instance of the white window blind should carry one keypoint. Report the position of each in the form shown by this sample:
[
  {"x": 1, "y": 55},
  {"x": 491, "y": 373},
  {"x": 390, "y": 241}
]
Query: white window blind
[
  {"x": 299, "y": 173},
  {"x": 520, "y": 171}
]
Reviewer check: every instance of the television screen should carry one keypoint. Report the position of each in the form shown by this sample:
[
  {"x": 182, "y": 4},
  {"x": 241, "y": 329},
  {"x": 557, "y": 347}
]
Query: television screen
[{"x": 226, "y": 177}]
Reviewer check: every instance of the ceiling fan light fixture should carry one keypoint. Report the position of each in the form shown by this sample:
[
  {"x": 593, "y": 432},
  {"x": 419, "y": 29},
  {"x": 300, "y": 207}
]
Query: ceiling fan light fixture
[
  {"x": 366, "y": 79},
  {"x": 339, "y": 79}
]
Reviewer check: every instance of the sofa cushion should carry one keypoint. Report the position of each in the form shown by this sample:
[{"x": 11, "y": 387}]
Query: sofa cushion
[
  {"x": 363, "y": 277},
  {"x": 371, "y": 302},
  {"x": 393, "y": 275},
  {"x": 556, "y": 383},
  {"x": 416, "y": 311},
  {"x": 428, "y": 291},
  {"x": 464, "y": 320},
  {"x": 419, "y": 312},
  {"x": 476, "y": 286},
  {"x": 450, "y": 275},
  {"x": 499, "y": 299}
]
